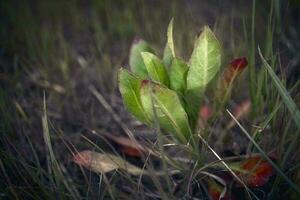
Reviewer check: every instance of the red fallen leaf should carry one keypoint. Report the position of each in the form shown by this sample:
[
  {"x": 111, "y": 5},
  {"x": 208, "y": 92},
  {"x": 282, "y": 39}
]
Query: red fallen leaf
[
  {"x": 215, "y": 192},
  {"x": 257, "y": 171}
]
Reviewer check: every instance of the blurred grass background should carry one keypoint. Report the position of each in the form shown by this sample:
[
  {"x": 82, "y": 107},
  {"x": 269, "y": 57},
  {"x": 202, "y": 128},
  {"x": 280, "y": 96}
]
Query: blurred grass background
[{"x": 59, "y": 48}]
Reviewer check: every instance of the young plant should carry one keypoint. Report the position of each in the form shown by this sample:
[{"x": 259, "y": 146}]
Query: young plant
[{"x": 169, "y": 91}]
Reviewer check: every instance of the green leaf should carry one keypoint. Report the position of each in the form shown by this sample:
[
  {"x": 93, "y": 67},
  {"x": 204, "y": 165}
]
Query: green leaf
[
  {"x": 167, "y": 57},
  {"x": 178, "y": 73},
  {"x": 192, "y": 102},
  {"x": 155, "y": 68},
  {"x": 135, "y": 59},
  {"x": 169, "y": 51},
  {"x": 205, "y": 60},
  {"x": 164, "y": 104},
  {"x": 130, "y": 87},
  {"x": 170, "y": 42},
  {"x": 204, "y": 64}
]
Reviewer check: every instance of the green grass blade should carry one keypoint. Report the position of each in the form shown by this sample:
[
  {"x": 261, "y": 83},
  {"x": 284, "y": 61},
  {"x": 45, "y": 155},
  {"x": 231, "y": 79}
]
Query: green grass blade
[{"x": 288, "y": 101}]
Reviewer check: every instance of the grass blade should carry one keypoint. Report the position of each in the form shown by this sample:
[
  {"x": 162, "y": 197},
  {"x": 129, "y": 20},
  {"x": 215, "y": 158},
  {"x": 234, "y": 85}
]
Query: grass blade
[{"x": 288, "y": 101}]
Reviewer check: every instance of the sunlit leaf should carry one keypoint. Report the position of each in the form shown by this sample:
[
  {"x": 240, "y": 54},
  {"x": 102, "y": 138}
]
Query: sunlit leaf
[
  {"x": 205, "y": 61},
  {"x": 135, "y": 59},
  {"x": 168, "y": 109},
  {"x": 155, "y": 68},
  {"x": 204, "y": 64},
  {"x": 178, "y": 72},
  {"x": 103, "y": 163},
  {"x": 170, "y": 37},
  {"x": 130, "y": 86}
]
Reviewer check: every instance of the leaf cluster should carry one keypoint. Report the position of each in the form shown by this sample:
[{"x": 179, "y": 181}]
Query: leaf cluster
[{"x": 169, "y": 90}]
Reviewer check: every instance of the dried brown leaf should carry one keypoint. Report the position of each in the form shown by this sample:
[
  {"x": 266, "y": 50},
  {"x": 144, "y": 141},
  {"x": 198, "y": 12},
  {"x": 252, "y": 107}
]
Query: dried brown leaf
[{"x": 103, "y": 163}]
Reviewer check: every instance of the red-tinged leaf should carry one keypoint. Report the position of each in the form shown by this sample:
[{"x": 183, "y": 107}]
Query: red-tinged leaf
[
  {"x": 255, "y": 171},
  {"x": 215, "y": 191},
  {"x": 235, "y": 67},
  {"x": 239, "y": 63}
]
